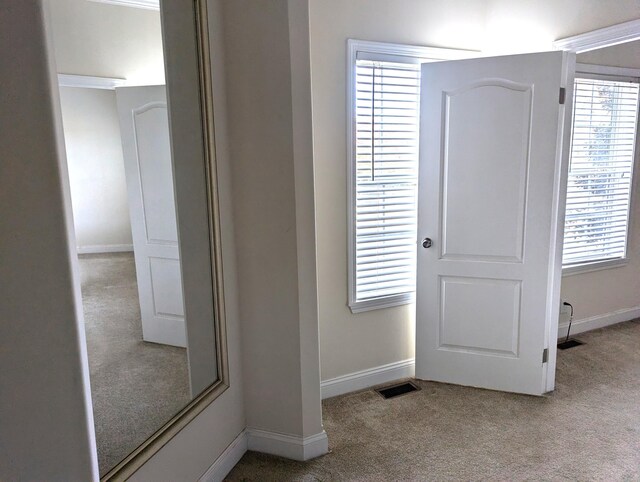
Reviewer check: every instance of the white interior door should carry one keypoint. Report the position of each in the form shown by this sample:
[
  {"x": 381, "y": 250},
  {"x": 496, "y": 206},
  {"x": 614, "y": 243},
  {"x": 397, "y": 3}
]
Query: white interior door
[
  {"x": 147, "y": 157},
  {"x": 490, "y": 186}
]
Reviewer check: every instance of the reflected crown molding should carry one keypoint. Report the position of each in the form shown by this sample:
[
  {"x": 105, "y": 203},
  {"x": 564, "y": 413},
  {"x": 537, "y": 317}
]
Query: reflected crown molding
[
  {"x": 90, "y": 82},
  {"x": 145, "y": 4}
]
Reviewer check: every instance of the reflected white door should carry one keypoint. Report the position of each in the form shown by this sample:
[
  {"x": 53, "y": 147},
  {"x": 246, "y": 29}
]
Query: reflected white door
[
  {"x": 147, "y": 157},
  {"x": 491, "y": 171}
]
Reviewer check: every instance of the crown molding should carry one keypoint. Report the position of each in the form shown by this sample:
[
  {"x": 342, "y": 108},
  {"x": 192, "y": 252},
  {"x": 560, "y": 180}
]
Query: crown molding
[
  {"x": 603, "y": 37},
  {"x": 89, "y": 82},
  {"x": 145, "y": 4}
]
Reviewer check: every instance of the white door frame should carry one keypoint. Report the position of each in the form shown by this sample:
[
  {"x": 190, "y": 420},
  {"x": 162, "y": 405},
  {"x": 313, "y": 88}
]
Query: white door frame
[{"x": 585, "y": 42}]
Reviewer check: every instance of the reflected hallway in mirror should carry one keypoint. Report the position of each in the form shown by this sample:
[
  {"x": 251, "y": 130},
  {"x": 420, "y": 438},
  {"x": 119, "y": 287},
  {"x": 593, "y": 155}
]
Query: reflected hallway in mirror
[
  {"x": 136, "y": 386},
  {"x": 148, "y": 359}
]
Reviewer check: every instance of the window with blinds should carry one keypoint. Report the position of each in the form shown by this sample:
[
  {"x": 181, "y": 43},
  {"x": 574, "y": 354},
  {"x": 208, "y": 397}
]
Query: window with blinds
[
  {"x": 601, "y": 167},
  {"x": 385, "y": 136}
]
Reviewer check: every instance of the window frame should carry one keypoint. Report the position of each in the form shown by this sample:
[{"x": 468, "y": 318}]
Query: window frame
[
  {"x": 603, "y": 72},
  {"x": 384, "y": 52}
]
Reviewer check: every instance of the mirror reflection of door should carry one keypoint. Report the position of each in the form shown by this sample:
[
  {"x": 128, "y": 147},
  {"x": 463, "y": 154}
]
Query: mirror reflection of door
[
  {"x": 145, "y": 363},
  {"x": 137, "y": 382},
  {"x": 147, "y": 161}
]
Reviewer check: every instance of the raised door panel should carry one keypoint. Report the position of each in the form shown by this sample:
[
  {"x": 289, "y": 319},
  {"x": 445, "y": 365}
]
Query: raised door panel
[
  {"x": 165, "y": 276},
  {"x": 479, "y": 315},
  {"x": 483, "y": 201},
  {"x": 154, "y": 165}
]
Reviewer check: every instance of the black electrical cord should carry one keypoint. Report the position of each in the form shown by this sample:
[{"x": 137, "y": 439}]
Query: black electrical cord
[{"x": 570, "y": 319}]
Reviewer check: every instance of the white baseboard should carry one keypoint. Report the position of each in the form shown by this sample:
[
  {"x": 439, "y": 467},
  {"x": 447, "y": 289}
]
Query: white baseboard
[
  {"x": 367, "y": 378},
  {"x": 599, "y": 321},
  {"x": 288, "y": 446},
  {"x": 406, "y": 368},
  {"x": 227, "y": 460},
  {"x": 299, "y": 448},
  {"x": 105, "y": 248}
]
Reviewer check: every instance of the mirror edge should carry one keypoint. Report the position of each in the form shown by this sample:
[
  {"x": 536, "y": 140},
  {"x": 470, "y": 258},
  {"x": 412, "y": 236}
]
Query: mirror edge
[
  {"x": 213, "y": 196},
  {"x": 138, "y": 457}
]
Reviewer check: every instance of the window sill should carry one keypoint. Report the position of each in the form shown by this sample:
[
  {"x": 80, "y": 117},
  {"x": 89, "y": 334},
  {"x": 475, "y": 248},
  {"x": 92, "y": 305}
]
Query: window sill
[
  {"x": 594, "y": 266},
  {"x": 380, "y": 303}
]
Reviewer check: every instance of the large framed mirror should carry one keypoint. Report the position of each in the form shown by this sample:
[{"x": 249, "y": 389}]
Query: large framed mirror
[{"x": 137, "y": 110}]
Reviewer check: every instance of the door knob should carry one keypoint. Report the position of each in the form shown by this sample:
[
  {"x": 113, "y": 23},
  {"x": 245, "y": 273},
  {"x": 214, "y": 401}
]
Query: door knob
[{"x": 426, "y": 243}]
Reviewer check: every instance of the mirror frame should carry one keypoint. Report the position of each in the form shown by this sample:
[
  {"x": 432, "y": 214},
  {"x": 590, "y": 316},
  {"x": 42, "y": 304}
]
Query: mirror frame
[{"x": 138, "y": 457}]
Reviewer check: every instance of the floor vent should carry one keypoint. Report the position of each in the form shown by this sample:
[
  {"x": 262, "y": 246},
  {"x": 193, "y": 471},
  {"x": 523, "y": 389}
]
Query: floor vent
[
  {"x": 397, "y": 390},
  {"x": 565, "y": 345}
]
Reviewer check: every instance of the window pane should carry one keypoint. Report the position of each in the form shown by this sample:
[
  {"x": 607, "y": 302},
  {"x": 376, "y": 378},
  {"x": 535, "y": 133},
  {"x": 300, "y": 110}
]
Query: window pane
[
  {"x": 386, "y": 153},
  {"x": 601, "y": 165}
]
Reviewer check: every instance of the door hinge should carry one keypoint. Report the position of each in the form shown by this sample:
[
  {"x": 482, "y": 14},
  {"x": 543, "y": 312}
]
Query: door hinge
[
  {"x": 563, "y": 94},
  {"x": 545, "y": 355}
]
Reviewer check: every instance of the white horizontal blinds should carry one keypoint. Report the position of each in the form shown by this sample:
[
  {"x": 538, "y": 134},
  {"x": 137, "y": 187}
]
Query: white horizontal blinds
[
  {"x": 386, "y": 148},
  {"x": 599, "y": 185}
]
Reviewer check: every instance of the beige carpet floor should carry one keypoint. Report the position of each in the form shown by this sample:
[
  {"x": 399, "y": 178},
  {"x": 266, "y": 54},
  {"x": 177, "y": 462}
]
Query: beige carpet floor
[
  {"x": 135, "y": 386},
  {"x": 588, "y": 429}
]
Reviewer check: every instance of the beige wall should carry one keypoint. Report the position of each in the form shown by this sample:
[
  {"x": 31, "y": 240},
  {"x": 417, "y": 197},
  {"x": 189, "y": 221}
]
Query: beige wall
[
  {"x": 527, "y": 25},
  {"x": 107, "y": 41},
  {"x": 96, "y": 167},
  {"x": 272, "y": 185},
  {"x": 606, "y": 291},
  {"x": 264, "y": 207},
  {"x": 46, "y": 423},
  {"x": 350, "y": 343}
]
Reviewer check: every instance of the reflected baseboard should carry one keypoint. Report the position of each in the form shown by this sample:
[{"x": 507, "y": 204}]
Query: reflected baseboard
[{"x": 105, "y": 248}]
